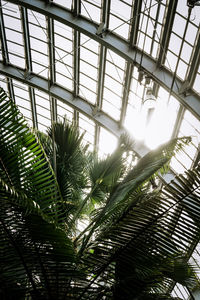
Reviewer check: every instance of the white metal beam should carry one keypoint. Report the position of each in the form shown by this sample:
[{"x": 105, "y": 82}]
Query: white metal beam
[{"x": 78, "y": 103}]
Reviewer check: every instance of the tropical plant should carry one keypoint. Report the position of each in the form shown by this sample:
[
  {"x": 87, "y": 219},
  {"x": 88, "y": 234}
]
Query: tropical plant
[{"x": 137, "y": 239}]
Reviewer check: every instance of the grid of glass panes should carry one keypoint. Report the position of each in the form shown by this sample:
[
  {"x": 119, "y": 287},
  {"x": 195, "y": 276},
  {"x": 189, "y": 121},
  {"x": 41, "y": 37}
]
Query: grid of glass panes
[
  {"x": 13, "y": 31},
  {"x": 88, "y": 69},
  {"x": 120, "y": 17},
  {"x": 38, "y": 43},
  {"x": 151, "y": 26},
  {"x": 43, "y": 110},
  {"x": 87, "y": 127},
  {"x": 22, "y": 100},
  {"x": 91, "y": 10},
  {"x": 182, "y": 41},
  {"x": 190, "y": 126},
  {"x": 63, "y": 55},
  {"x": 113, "y": 84}
]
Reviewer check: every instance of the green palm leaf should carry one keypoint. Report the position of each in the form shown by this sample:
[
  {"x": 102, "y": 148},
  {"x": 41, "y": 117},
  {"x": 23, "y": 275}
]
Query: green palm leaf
[
  {"x": 23, "y": 163},
  {"x": 35, "y": 255}
]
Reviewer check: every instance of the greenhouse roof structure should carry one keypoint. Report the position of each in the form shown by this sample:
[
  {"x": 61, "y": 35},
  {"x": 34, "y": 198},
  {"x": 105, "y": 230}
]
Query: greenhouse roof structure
[{"x": 109, "y": 66}]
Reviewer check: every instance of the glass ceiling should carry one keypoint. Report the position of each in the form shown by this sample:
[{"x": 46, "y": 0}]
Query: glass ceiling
[
  {"x": 137, "y": 71},
  {"x": 108, "y": 66}
]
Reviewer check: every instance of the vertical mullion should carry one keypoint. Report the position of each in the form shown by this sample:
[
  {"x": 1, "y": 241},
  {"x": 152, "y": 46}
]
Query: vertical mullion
[
  {"x": 178, "y": 122},
  {"x": 126, "y": 88},
  {"x": 10, "y": 89},
  {"x": 33, "y": 107},
  {"x": 76, "y": 8},
  {"x": 76, "y": 70},
  {"x": 105, "y": 15},
  {"x": 51, "y": 79},
  {"x": 101, "y": 76},
  {"x": 76, "y": 50},
  {"x": 135, "y": 21},
  {"x": 27, "y": 47},
  {"x": 3, "y": 38},
  {"x": 96, "y": 139},
  {"x": 188, "y": 83},
  {"x": 155, "y": 27},
  {"x": 169, "y": 20},
  {"x": 52, "y": 73}
]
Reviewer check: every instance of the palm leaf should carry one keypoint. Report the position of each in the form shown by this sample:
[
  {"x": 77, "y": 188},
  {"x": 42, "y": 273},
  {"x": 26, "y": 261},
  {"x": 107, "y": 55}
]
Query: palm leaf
[
  {"x": 71, "y": 165},
  {"x": 36, "y": 256},
  {"x": 164, "y": 224},
  {"x": 23, "y": 163}
]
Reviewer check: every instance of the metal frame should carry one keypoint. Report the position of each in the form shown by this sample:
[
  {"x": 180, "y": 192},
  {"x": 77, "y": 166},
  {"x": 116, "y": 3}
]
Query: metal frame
[
  {"x": 78, "y": 103},
  {"x": 167, "y": 31},
  {"x": 126, "y": 88},
  {"x": 107, "y": 40},
  {"x": 3, "y": 38},
  {"x": 150, "y": 66}
]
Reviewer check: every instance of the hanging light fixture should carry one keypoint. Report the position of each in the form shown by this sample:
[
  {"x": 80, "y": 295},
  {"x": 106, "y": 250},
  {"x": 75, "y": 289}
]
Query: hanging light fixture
[{"x": 149, "y": 103}]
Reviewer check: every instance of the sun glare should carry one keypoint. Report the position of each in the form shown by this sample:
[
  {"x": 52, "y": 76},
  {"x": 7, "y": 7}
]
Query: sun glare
[{"x": 152, "y": 123}]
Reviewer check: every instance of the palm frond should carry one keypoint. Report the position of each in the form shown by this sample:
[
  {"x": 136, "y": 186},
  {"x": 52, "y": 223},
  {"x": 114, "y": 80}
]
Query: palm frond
[
  {"x": 71, "y": 165},
  {"x": 120, "y": 198},
  {"x": 163, "y": 224},
  {"x": 23, "y": 163},
  {"x": 36, "y": 256}
]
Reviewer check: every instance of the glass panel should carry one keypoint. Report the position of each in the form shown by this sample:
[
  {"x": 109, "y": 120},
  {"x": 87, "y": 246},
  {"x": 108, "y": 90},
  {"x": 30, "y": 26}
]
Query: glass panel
[
  {"x": 38, "y": 30},
  {"x": 64, "y": 110},
  {"x": 43, "y": 110},
  {"x": 67, "y": 3},
  {"x": 91, "y": 10},
  {"x": 10, "y": 9},
  {"x": 88, "y": 62},
  {"x": 22, "y": 100},
  {"x": 87, "y": 94},
  {"x": 63, "y": 55},
  {"x": 179, "y": 25},
  {"x": 88, "y": 128},
  {"x": 107, "y": 142},
  {"x": 120, "y": 17},
  {"x": 191, "y": 34},
  {"x": 186, "y": 52},
  {"x": 175, "y": 44},
  {"x": 171, "y": 61}
]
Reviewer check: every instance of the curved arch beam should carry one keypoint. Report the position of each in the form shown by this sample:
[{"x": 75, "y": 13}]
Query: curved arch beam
[
  {"x": 160, "y": 74},
  {"x": 68, "y": 98}
]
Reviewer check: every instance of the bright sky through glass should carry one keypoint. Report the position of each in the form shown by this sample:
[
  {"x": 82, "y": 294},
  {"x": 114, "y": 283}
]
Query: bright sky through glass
[{"x": 163, "y": 116}]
